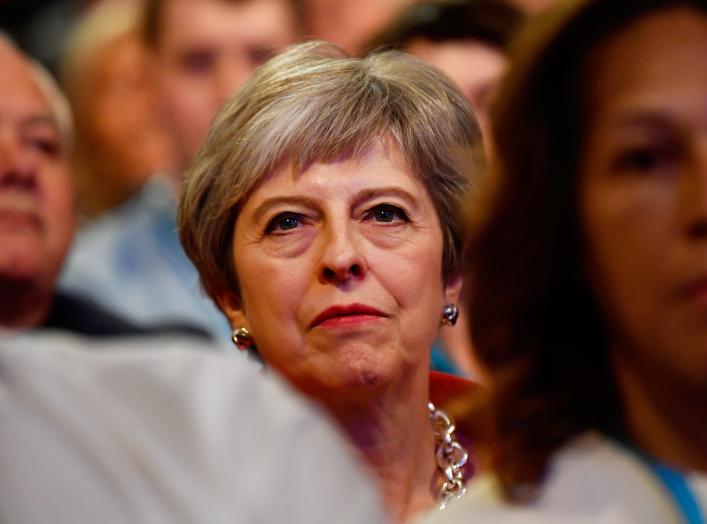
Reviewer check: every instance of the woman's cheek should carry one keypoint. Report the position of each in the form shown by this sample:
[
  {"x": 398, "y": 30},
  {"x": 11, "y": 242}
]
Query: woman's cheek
[{"x": 289, "y": 245}]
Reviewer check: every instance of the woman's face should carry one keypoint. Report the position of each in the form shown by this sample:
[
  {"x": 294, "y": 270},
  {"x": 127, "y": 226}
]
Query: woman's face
[
  {"x": 644, "y": 192},
  {"x": 340, "y": 270}
]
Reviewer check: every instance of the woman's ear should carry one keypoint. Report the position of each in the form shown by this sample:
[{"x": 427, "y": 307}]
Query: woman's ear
[
  {"x": 453, "y": 288},
  {"x": 232, "y": 307}
]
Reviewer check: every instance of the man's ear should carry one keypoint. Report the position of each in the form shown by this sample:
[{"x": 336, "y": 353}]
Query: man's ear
[
  {"x": 453, "y": 288},
  {"x": 232, "y": 307}
]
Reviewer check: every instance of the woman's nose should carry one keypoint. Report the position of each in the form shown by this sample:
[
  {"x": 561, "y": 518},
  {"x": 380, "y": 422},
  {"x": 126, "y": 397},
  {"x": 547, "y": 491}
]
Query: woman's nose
[{"x": 342, "y": 260}]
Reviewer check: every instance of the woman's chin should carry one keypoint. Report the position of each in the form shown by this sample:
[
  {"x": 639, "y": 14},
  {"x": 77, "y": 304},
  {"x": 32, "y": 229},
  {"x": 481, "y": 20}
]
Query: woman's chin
[
  {"x": 352, "y": 373},
  {"x": 350, "y": 383}
]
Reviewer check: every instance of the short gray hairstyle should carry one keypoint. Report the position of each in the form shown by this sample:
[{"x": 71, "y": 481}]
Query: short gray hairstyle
[{"x": 315, "y": 103}]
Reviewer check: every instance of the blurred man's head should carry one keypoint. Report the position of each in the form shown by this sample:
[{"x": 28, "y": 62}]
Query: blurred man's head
[
  {"x": 36, "y": 201},
  {"x": 204, "y": 50},
  {"x": 350, "y": 23},
  {"x": 465, "y": 39},
  {"x": 120, "y": 139}
]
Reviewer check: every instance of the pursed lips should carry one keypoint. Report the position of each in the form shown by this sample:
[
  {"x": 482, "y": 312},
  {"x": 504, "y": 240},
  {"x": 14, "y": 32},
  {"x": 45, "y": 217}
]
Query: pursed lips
[
  {"x": 347, "y": 314},
  {"x": 695, "y": 290}
]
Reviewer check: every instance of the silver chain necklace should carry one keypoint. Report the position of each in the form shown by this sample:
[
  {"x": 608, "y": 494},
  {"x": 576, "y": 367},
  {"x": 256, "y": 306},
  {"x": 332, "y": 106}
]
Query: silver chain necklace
[{"x": 451, "y": 456}]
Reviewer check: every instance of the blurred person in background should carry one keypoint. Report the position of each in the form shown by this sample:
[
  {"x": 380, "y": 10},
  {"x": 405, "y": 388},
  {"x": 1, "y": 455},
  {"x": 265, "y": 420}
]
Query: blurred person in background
[
  {"x": 200, "y": 53},
  {"x": 467, "y": 41},
  {"x": 533, "y": 7},
  {"x": 36, "y": 198},
  {"x": 350, "y": 23},
  {"x": 589, "y": 271},
  {"x": 120, "y": 139},
  {"x": 37, "y": 212},
  {"x": 322, "y": 216}
]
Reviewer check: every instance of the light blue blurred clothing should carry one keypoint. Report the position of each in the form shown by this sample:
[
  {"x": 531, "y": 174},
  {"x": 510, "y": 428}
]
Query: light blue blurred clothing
[
  {"x": 131, "y": 262},
  {"x": 441, "y": 361}
]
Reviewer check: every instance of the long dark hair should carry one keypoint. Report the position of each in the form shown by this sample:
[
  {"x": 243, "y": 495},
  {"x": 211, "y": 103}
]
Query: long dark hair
[{"x": 536, "y": 324}]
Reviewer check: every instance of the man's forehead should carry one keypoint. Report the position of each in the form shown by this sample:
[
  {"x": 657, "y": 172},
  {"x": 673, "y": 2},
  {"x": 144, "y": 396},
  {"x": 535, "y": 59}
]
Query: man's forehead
[
  {"x": 227, "y": 17},
  {"x": 19, "y": 91},
  {"x": 11, "y": 60}
]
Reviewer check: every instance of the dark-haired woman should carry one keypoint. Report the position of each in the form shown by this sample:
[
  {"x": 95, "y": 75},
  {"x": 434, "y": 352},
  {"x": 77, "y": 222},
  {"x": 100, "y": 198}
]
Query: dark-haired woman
[{"x": 589, "y": 270}]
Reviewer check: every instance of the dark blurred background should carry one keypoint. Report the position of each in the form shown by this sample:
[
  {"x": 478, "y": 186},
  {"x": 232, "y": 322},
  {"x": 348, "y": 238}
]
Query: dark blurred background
[{"x": 40, "y": 27}]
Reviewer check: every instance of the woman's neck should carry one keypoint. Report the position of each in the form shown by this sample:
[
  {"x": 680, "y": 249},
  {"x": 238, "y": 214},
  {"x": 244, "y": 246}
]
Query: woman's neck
[
  {"x": 663, "y": 416},
  {"x": 393, "y": 432}
]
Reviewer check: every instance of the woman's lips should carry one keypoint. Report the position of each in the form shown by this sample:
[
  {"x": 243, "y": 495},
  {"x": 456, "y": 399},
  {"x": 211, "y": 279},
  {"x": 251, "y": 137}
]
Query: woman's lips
[
  {"x": 696, "y": 291},
  {"x": 346, "y": 315}
]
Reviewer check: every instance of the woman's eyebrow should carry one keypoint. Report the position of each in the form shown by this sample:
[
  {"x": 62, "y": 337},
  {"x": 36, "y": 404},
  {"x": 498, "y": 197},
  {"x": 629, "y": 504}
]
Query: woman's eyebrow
[
  {"x": 370, "y": 193},
  {"x": 643, "y": 119},
  {"x": 274, "y": 201}
]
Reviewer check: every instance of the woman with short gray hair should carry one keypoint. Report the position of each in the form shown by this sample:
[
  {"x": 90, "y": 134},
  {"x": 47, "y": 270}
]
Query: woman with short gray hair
[{"x": 322, "y": 215}]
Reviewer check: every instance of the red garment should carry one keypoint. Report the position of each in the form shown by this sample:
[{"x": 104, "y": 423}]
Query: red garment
[{"x": 445, "y": 387}]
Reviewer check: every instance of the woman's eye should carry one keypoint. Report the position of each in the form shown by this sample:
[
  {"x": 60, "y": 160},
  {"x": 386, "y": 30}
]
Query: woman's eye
[
  {"x": 386, "y": 213},
  {"x": 284, "y": 222},
  {"x": 647, "y": 159}
]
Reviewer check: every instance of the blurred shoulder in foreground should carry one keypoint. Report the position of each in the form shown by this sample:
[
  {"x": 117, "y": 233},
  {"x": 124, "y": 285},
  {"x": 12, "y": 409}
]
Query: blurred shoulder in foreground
[{"x": 151, "y": 430}]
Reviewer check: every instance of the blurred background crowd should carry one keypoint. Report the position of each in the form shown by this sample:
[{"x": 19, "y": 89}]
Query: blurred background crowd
[{"x": 42, "y": 27}]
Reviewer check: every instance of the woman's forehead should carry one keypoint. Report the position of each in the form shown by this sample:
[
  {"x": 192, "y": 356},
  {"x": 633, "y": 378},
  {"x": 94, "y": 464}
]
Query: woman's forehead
[
  {"x": 376, "y": 150},
  {"x": 380, "y": 165},
  {"x": 645, "y": 55}
]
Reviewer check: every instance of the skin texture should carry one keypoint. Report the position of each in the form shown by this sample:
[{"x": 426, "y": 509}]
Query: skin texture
[
  {"x": 644, "y": 206},
  {"x": 340, "y": 253},
  {"x": 36, "y": 203},
  {"x": 351, "y": 232},
  {"x": 206, "y": 50}
]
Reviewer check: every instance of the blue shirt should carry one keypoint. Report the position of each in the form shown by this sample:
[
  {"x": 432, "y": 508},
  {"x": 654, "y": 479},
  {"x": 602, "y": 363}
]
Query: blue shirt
[{"x": 130, "y": 261}]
